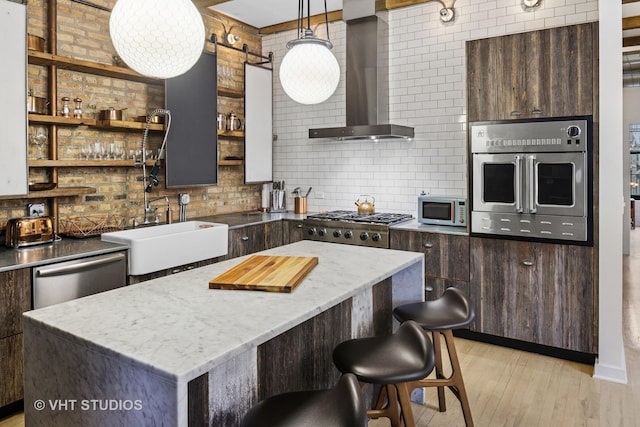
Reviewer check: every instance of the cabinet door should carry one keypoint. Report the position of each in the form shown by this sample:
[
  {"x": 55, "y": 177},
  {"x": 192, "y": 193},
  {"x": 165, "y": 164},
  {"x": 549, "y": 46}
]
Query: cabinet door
[
  {"x": 15, "y": 299},
  {"x": 258, "y": 141},
  {"x": 446, "y": 256},
  {"x": 511, "y": 75},
  {"x": 273, "y": 235},
  {"x": 292, "y": 232},
  {"x": 526, "y": 76},
  {"x": 482, "y": 83},
  {"x": 571, "y": 69},
  {"x": 13, "y": 87},
  {"x": 245, "y": 240},
  {"x": 11, "y": 369},
  {"x": 536, "y": 292}
]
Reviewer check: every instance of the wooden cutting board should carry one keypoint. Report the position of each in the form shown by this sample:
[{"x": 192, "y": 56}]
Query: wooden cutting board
[{"x": 266, "y": 273}]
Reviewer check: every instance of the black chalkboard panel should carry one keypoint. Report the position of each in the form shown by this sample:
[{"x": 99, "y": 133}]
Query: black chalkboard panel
[{"x": 192, "y": 143}]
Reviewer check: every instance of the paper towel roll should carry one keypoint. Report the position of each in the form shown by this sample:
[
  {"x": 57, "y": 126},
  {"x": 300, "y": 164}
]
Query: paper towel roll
[{"x": 265, "y": 196}]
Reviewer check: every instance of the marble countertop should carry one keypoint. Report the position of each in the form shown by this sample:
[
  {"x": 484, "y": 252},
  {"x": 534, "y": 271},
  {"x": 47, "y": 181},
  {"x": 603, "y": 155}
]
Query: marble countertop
[
  {"x": 414, "y": 225},
  {"x": 242, "y": 219},
  {"x": 62, "y": 250},
  {"x": 69, "y": 249},
  {"x": 176, "y": 326}
]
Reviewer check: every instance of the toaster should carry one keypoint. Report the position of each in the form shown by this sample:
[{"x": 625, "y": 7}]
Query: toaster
[{"x": 28, "y": 231}]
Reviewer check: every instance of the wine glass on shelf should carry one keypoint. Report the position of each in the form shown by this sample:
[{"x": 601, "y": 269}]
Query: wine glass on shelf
[
  {"x": 87, "y": 150},
  {"x": 39, "y": 138}
]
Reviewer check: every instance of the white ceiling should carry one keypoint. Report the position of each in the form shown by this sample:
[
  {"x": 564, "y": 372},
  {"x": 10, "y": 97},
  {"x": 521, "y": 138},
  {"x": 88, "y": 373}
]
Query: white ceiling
[{"x": 269, "y": 12}]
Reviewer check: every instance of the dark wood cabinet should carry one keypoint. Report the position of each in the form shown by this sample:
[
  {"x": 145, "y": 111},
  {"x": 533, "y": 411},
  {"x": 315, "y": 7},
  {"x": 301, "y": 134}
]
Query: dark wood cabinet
[
  {"x": 254, "y": 238},
  {"x": 545, "y": 73},
  {"x": 15, "y": 299},
  {"x": 292, "y": 231},
  {"x": 446, "y": 258},
  {"x": 535, "y": 292}
]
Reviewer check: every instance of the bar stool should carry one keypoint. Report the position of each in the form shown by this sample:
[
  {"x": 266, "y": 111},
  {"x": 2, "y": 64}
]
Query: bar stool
[
  {"x": 391, "y": 361},
  {"x": 441, "y": 316},
  {"x": 341, "y": 406}
]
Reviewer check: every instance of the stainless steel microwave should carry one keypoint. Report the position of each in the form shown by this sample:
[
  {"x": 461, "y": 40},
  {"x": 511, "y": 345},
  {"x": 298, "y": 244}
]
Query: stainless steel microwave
[{"x": 439, "y": 210}]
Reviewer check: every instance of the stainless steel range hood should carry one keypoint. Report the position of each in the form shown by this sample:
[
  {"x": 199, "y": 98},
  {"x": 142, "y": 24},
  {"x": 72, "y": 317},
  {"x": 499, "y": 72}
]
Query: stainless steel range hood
[{"x": 367, "y": 78}]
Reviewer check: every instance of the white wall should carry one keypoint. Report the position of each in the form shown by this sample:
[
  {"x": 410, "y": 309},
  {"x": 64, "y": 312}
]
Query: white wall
[
  {"x": 427, "y": 87},
  {"x": 613, "y": 179}
]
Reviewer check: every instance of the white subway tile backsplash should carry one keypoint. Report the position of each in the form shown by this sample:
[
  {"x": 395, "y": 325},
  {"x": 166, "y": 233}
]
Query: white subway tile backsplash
[{"x": 426, "y": 90}]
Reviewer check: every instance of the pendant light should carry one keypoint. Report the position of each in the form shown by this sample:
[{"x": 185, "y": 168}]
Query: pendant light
[
  {"x": 309, "y": 72},
  {"x": 157, "y": 38}
]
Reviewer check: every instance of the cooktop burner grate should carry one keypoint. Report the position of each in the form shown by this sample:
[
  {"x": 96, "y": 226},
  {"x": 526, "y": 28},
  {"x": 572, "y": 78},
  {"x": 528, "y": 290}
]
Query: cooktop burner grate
[{"x": 350, "y": 216}]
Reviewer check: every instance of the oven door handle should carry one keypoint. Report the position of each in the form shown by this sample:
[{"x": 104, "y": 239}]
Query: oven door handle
[
  {"x": 532, "y": 183},
  {"x": 518, "y": 192}
]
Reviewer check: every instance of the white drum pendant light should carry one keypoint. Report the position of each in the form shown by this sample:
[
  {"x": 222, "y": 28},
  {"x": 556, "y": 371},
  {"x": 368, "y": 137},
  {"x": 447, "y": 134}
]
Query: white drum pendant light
[
  {"x": 157, "y": 38},
  {"x": 309, "y": 72}
]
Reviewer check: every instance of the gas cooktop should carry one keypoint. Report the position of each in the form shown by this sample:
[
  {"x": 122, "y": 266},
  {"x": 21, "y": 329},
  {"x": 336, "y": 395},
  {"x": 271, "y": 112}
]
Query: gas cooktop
[
  {"x": 352, "y": 228},
  {"x": 350, "y": 216}
]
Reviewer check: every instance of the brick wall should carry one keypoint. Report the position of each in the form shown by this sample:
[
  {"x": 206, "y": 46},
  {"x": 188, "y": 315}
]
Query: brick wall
[
  {"x": 83, "y": 33},
  {"x": 427, "y": 91}
]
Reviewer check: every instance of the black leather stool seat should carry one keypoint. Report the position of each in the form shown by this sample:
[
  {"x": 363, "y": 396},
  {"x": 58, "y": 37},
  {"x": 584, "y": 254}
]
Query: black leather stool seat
[
  {"x": 405, "y": 356},
  {"x": 392, "y": 361},
  {"x": 451, "y": 311},
  {"x": 341, "y": 406}
]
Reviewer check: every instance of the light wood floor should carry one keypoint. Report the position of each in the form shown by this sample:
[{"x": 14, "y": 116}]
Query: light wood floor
[{"x": 513, "y": 388}]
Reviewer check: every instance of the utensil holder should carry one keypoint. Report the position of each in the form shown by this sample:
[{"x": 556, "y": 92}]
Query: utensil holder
[
  {"x": 278, "y": 201},
  {"x": 300, "y": 205}
]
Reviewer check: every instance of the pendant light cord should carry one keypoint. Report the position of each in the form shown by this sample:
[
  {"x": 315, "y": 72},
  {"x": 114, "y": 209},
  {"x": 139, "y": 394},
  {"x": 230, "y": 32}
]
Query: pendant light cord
[{"x": 326, "y": 19}]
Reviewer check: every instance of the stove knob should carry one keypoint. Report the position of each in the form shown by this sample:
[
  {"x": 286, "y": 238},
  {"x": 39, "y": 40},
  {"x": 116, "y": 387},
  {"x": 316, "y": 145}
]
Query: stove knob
[
  {"x": 364, "y": 236},
  {"x": 348, "y": 234},
  {"x": 337, "y": 233},
  {"x": 376, "y": 237},
  {"x": 311, "y": 231},
  {"x": 322, "y": 231}
]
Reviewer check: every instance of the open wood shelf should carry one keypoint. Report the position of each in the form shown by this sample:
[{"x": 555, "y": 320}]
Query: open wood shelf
[
  {"x": 230, "y": 93},
  {"x": 230, "y": 162},
  {"x": 83, "y": 163},
  {"x": 82, "y": 66},
  {"x": 56, "y": 192},
  {"x": 102, "y": 124},
  {"x": 231, "y": 133},
  {"x": 126, "y": 125},
  {"x": 59, "y": 120}
]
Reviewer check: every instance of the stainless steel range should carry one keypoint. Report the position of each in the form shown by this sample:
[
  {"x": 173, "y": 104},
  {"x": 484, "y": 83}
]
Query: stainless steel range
[{"x": 352, "y": 228}]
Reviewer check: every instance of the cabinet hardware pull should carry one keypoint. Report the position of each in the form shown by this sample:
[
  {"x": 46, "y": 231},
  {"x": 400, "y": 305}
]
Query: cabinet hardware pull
[
  {"x": 536, "y": 111},
  {"x": 516, "y": 113},
  {"x": 428, "y": 288},
  {"x": 428, "y": 245},
  {"x": 527, "y": 262},
  {"x": 244, "y": 238},
  {"x": 299, "y": 226}
]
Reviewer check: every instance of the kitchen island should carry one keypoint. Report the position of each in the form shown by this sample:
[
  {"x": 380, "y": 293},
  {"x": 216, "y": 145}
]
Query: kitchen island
[{"x": 171, "y": 351}]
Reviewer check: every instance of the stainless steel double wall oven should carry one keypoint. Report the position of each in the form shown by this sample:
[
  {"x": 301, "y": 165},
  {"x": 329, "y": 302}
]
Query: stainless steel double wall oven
[{"x": 533, "y": 178}]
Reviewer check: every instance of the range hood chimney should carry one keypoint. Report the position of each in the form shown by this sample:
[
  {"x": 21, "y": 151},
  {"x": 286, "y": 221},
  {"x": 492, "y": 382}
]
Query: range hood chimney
[{"x": 367, "y": 78}]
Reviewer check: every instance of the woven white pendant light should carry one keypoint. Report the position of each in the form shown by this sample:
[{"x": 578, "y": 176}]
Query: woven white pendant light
[
  {"x": 309, "y": 73},
  {"x": 157, "y": 38}
]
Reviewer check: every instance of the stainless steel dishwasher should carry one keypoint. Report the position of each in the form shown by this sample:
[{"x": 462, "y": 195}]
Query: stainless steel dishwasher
[{"x": 64, "y": 281}]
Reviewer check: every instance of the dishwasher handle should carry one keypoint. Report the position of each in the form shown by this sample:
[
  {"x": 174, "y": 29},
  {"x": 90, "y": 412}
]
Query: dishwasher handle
[{"x": 79, "y": 265}]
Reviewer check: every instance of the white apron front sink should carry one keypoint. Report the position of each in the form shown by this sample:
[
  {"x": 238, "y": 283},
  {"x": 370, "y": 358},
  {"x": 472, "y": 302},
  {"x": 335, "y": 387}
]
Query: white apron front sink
[{"x": 165, "y": 246}]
